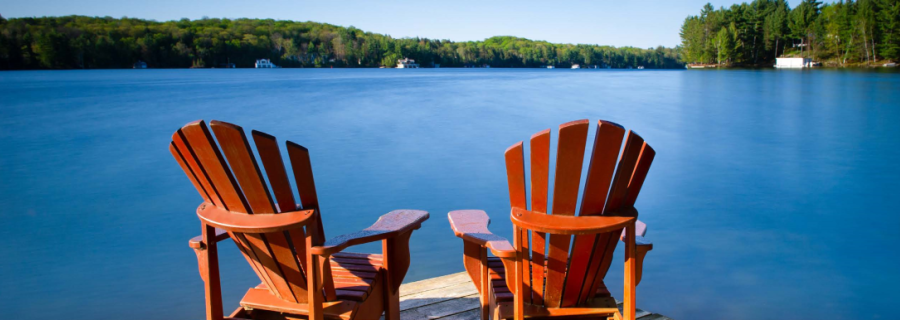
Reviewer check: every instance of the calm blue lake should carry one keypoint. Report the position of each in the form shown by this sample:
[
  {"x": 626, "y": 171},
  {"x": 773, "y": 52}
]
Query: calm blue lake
[{"x": 773, "y": 193}]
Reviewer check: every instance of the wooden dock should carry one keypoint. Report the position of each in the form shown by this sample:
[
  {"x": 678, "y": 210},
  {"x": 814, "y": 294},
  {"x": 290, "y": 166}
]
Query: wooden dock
[{"x": 454, "y": 297}]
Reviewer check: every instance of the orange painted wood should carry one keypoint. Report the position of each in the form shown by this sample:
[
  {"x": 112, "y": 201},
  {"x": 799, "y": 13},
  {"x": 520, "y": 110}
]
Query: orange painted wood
[
  {"x": 187, "y": 170},
  {"x": 607, "y": 208},
  {"x": 204, "y": 148},
  {"x": 309, "y": 199},
  {"x": 262, "y": 299},
  {"x": 519, "y": 298},
  {"x": 640, "y": 174},
  {"x": 201, "y": 142},
  {"x": 606, "y": 244},
  {"x": 315, "y": 282},
  {"x": 566, "y": 225},
  {"x": 270, "y": 156},
  {"x": 198, "y": 243},
  {"x": 569, "y": 158},
  {"x": 209, "y": 270},
  {"x": 540, "y": 170},
  {"x": 388, "y": 226},
  {"x": 628, "y": 295},
  {"x": 472, "y": 226},
  {"x": 266, "y": 232},
  {"x": 186, "y": 158},
  {"x": 472, "y": 253},
  {"x": 285, "y": 274},
  {"x": 538, "y": 312},
  {"x": 256, "y": 223},
  {"x": 607, "y": 143}
]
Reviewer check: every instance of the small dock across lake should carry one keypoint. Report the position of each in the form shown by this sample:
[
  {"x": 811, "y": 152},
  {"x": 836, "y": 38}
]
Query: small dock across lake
[{"x": 454, "y": 297}]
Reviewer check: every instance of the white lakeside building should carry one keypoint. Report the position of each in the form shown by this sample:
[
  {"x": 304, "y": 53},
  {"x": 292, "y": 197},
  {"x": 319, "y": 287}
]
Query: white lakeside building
[
  {"x": 265, "y": 63},
  {"x": 407, "y": 63},
  {"x": 791, "y": 63}
]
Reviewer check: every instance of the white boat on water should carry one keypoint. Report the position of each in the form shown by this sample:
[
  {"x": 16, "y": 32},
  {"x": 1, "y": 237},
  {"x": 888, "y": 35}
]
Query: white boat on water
[
  {"x": 265, "y": 64},
  {"x": 551, "y": 67},
  {"x": 576, "y": 66},
  {"x": 641, "y": 67},
  {"x": 890, "y": 65}
]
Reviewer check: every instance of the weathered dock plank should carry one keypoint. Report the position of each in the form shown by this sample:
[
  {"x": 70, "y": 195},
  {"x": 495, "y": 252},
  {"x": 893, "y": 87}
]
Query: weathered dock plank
[{"x": 454, "y": 297}]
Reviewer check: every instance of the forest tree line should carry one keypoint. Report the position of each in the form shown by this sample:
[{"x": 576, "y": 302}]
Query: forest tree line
[
  {"x": 838, "y": 34},
  {"x": 79, "y": 42}
]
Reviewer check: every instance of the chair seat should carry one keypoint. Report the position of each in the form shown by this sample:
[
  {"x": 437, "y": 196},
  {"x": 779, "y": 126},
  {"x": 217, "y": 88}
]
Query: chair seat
[
  {"x": 354, "y": 275},
  {"x": 501, "y": 291}
]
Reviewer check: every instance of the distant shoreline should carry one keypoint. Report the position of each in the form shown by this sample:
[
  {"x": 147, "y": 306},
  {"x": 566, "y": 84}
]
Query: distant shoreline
[{"x": 79, "y": 42}]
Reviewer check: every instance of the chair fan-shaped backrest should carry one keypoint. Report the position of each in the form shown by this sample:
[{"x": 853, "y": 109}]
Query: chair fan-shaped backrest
[
  {"x": 226, "y": 173},
  {"x": 561, "y": 277}
]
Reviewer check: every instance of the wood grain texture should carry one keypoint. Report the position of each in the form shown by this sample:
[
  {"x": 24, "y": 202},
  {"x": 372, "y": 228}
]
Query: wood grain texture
[
  {"x": 200, "y": 141},
  {"x": 270, "y": 234},
  {"x": 389, "y": 225},
  {"x": 285, "y": 274},
  {"x": 566, "y": 225},
  {"x": 569, "y": 158},
  {"x": 602, "y": 165},
  {"x": 472, "y": 226},
  {"x": 262, "y": 299},
  {"x": 270, "y": 156},
  {"x": 257, "y": 223},
  {"x": 540, "y": 171},
  {"x": 606, "y": 244},
  {"x": 607, "y": 208}
]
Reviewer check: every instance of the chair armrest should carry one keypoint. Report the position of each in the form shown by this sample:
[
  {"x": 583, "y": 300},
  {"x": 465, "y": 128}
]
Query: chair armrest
[
  {"x": 471, "y": 225},
  {"x": 572, "y": 225},
  {"x": 253, "y": 223},
  {"x": 197, "y": 242},
  {"x": 640, "y": 229},
  {"x": 388, "y": 226}
]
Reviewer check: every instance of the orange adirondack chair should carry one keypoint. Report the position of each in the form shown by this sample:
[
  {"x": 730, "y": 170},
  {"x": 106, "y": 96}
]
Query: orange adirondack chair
[
  {"x": 534, "y": 280},
  {"x": 303, "y": 276}
]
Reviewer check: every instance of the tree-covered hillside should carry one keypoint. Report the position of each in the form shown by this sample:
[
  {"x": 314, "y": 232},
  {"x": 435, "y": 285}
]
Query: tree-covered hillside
[
  {"x": 91, "y": 42},
  {"x": 839, "y": 34}
]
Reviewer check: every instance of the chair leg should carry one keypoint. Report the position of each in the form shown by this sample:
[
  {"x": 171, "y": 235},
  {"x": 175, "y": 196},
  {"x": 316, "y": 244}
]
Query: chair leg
[
  {"x": 391, "y": 290},
  {"x": 208, "y": 263},
  {"x": 391, "y": 301},
  {"x": 518, "y": 298},
  {"x": 628, "y": 303}
]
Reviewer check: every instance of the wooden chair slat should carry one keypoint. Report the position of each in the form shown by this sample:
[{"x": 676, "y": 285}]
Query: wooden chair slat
[
  {"x": 240, "y": 240},
  {"x": 234, "y": 146},
  {"x": 540, "y": 171},
  {"x": 201, "y": 142},
  {"x": 272, "y": 249},
  {"x": 190, "y": 159},
  {"x": 301, "y": 165},
  {"x": 515, "y": 175},
  {"x": 198, "y": 139},
  {"x": 238, "y": 200},
  {"x": 189, "y": 172},
  {"x": 602, "y": 165},
  {"x": 569, "y": 158},
  {"x": 562, "y": 282},
  {"x": 640, "y": 174},
  {"x": 270, "y": 156},
  {"x": 605, "y": 245}
]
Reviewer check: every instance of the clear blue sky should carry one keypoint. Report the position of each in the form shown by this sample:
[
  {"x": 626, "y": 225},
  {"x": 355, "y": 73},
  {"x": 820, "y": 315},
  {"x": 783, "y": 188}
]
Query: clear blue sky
[{"x": 620, "y": 23}]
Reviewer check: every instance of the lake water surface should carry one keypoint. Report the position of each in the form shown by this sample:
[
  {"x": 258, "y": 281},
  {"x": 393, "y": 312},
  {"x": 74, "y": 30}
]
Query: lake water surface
[{"x": 773, "y": 193}]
